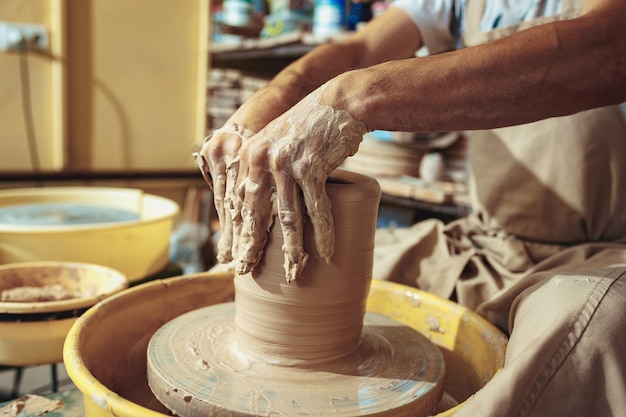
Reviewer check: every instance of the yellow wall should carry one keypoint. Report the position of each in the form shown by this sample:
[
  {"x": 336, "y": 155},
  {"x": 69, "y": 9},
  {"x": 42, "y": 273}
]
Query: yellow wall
[
  {"x": 13, "y": 143},
  {"x": 128, "y": 91}
]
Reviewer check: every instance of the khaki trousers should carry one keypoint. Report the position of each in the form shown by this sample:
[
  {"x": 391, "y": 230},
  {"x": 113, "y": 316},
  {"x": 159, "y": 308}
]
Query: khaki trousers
[
  {"x": 567, "y": 350},
  {"x": 566, "y": 317}
]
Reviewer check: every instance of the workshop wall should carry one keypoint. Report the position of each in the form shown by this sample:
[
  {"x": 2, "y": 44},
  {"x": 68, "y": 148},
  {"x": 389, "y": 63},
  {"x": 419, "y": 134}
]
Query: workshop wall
[
  {"x": 122, "y": 88},
  {"x": 43, "y": 81}
]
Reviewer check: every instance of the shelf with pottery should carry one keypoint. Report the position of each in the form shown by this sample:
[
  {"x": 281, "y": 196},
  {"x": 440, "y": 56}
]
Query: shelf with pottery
[
  {"x": 421, "y": 175},
  {"x": 265, "y": 54}
]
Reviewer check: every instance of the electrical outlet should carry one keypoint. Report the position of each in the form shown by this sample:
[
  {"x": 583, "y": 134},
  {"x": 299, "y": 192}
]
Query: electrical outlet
[{"x": 14, "y": 35}]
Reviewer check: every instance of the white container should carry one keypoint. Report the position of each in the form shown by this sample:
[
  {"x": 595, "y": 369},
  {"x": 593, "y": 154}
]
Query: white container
[
  {"x": 329, "y": 17},
  {"x": 237, "y": 13}
]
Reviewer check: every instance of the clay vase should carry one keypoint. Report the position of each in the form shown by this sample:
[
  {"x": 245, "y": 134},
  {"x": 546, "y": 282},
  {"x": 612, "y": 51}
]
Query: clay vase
[{"x": 318, "y": 317}]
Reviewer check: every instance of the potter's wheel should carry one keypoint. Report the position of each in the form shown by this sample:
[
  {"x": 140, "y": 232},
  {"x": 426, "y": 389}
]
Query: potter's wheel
[
  {"x": 196, "y": 369},
  {"x": 305, "y": 347}
]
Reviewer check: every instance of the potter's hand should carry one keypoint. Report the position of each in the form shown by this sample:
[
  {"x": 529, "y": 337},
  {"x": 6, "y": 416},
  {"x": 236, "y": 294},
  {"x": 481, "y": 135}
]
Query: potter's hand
[
  {"x": 296, "y": 151},
  {"x": 218, "y": 152}
]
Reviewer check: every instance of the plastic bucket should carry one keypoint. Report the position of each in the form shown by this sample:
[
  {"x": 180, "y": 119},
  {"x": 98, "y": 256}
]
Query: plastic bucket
[{"x": 138, "y": 248}]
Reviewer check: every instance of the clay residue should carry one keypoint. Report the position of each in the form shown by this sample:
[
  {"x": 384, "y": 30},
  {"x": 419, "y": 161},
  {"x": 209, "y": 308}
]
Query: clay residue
[
  {"x": 395, "y": 372},
  {"x": 28, "y": 294},
  {"x": 30, "y": 405},
  {"x": 434, "y": 325}
]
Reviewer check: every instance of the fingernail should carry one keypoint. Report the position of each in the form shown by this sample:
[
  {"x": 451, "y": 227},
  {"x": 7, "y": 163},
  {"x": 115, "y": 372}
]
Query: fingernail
[
  {"x": 294, "y": 265},
  {"x": 244, "y": 267},
  {"x": 291, "y": 274},
  {"x": 292, "y": 270}
]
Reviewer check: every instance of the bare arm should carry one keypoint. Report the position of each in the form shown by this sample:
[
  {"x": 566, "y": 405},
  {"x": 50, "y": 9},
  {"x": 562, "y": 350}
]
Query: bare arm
[
  {"x": 375, "y": 83},
  {"x": 551, "y": 70},
  {"x": 391, "y": 36}
]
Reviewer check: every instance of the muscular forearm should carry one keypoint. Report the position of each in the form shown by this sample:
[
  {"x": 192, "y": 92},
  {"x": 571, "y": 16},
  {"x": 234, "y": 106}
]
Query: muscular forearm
[
  {"x": 390, "y": 36},
  {"x": 547, "y": 71},
  {"x": 292, "y": 84}
]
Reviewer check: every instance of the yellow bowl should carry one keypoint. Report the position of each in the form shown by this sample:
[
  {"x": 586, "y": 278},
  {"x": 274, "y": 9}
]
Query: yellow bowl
[
  {"x": 33, "y": 332},
  {"x": 472, "y": 347},
  {"x": 138, "y": 248},
  {"x": 105, "y": 350}
]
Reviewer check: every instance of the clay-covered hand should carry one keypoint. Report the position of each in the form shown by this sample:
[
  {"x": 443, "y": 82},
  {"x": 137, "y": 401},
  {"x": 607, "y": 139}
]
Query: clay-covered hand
[
  {"x": 218, "y": 151},
  {"x": 294, "y": 153}
]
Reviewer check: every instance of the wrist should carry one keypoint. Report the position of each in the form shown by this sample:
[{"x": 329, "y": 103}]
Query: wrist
[{"x": 346, "y": 92}]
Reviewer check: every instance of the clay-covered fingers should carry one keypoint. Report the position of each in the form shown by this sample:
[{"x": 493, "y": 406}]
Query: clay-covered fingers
[
  {"x": 217, "y": 158},
  {"x": 319, "y": 210},
  {"x": 227, "y": 211},
  {"x": 290, "y": 215},
  {"x": 203, "y": 165},
  {"x": 218, "y": 163},
  {"x": 255, "y": 194}
]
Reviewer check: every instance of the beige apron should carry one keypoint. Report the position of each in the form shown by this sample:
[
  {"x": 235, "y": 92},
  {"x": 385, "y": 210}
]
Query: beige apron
[
  {"x": 543, "y": 256},
  {"x": 545, "y": 196}
]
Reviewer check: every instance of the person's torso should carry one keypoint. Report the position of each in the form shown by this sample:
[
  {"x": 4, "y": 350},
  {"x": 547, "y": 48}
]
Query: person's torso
[
  {"x": 560, "y": 180},
  {"x": 484, "y": 16}
]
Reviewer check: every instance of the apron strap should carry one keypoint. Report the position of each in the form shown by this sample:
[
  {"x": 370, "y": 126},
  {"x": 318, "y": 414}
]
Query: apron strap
[
  {"x": 475, "y": 9},
  {"x": 473, "y": 15}
]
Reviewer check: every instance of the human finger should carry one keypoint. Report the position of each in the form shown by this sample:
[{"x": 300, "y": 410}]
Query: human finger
[
  {"x": 290, "y": 216},
  {"x": 203, "y": 165},
  {"x": 319, "y": 209},
  {"x": 221, "y": 207},
  {"x": 256, "y": 194},
  {"x": 237, "y": 194},
  {"x": 217, "y": 160},
  {"x": 227, "y": 244}
]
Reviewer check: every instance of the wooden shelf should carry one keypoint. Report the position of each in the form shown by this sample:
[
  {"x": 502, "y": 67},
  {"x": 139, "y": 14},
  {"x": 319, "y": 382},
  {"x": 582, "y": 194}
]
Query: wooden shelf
[{"x": 265, "y": 55}]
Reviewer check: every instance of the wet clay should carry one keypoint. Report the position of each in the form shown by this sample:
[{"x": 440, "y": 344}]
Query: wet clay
[
  {"x": 24, "y": 294},
  {"x": 300, "y": 348},
  {"x": 319, "y": 316},
  {"x": 196, "y": 369}
]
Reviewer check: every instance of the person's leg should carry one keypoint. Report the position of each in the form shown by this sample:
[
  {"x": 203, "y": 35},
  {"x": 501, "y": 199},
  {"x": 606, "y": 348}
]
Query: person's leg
[
  {"x": 567, "y": 351},
  {"x": 420, "y": 257}
]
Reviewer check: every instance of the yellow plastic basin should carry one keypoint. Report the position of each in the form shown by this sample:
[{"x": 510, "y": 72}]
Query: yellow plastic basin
[
  {"x": 137, "y": 248},
  {"x": 105, "y": 351},
  {"x": 33, "y": 332},
  {"x": 472, "y": 347}
]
